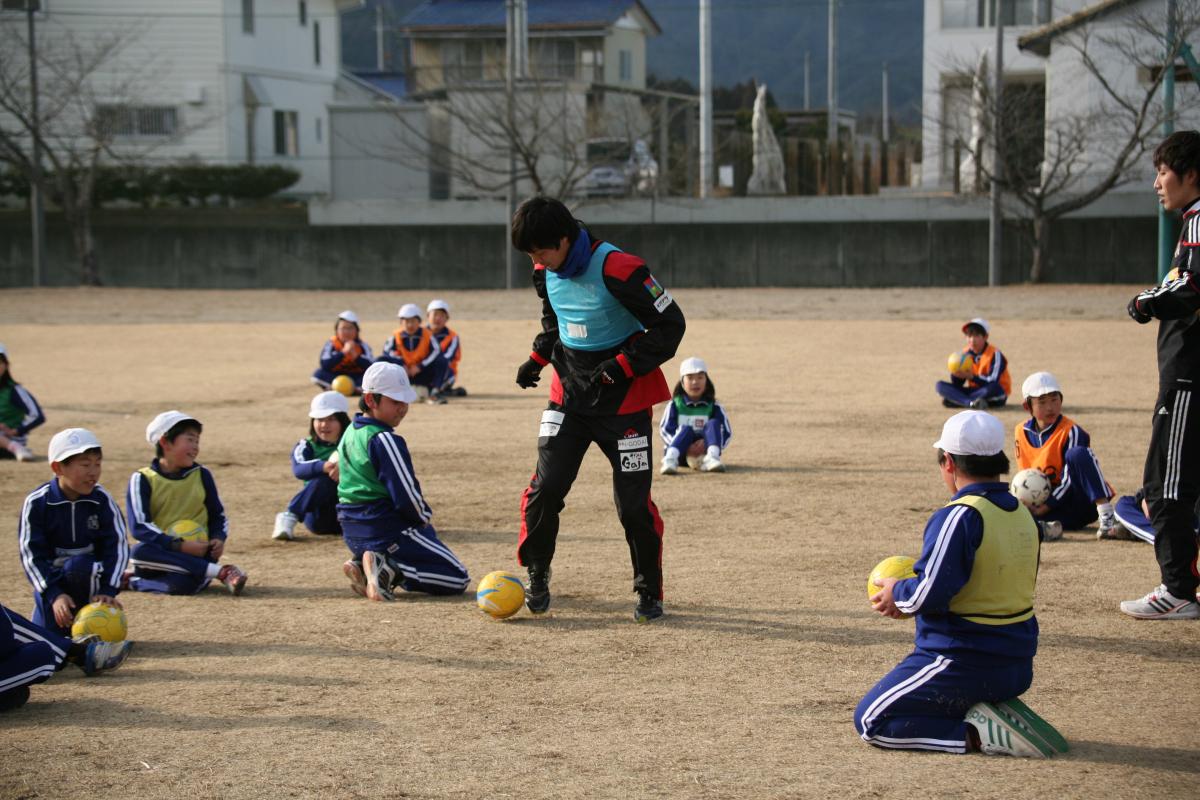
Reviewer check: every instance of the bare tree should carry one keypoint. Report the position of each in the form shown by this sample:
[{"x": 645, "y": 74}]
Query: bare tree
[
  {"x": 86, "y": 101},
  {"x": 1058, "y": 157}
]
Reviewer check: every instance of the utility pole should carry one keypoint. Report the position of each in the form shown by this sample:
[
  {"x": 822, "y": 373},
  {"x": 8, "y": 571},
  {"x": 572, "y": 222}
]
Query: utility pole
[
  {"x": 706, "y": 123},
  {"x": 37, "y": 212},
  {"x": 379, "y": 53},
  {"x": 1166, "y": 231},
  {"x": 884, "y": 132},
  {"x": 807, "y": 67},
  {"x": 831, "y": 123},
  {"x": 996, "y": 226},
  {"x": 516, "y": 63}
]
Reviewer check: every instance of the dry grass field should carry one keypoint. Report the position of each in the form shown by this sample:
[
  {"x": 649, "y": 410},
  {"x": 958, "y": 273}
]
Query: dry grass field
[{"x": 746, "y": 689}]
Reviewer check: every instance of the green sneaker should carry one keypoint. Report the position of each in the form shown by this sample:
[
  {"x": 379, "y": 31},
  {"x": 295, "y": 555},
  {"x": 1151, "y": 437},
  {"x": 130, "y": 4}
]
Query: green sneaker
[
  {"x": 1000, "y": 735},
  {"x": 1028, "y": 721}
]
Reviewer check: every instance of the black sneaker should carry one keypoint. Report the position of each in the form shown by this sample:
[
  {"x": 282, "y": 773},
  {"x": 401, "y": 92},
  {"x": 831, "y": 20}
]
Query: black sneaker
[
  {"x": 14, "y": 698},
  {"x": 458, "y": 391},
  {"x": 649, "y": 608},
  {"x": 537, "y": 590}
]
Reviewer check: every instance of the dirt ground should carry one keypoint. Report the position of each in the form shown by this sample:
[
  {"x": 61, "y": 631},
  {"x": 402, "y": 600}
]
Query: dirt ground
[{"x": 746, "y": 689}]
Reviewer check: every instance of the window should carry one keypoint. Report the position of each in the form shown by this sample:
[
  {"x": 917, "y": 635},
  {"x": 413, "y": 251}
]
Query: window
[
  {"x": 248, "y": 16},
  {"x": 626, "y": 65},
  {"x": 316, "y": 42},
  {"x": 137, "y": 121},
  {"x": 318, "y": 129},
  {"x": 303, "y": 13},
  {"x": 592, "y": 62},
  {"x": 462, "y": 61},
  {"x": 287, "y": 133},
  {"x": 982, "y": 13},
  {"x": 553, "y": 58}
]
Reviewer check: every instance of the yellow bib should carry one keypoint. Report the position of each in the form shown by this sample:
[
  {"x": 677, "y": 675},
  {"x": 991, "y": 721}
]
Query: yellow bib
[
  {"x": 1001, "y": 588},
  {"x": 173, "y": 500}
]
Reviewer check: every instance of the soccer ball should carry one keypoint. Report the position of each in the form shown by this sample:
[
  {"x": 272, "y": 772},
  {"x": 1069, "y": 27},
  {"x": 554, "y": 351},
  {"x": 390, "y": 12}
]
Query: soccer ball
[
  {"x": 959, "y": 361},
  {"x": 1031, "y": 487},
  {"x": 107, "y": 622},
  {"x": 500, "y": 594},
  {"x": 343, "y": 384},
  {"x": 891, "y": 567},
  {"x": 188, "y": 530}
]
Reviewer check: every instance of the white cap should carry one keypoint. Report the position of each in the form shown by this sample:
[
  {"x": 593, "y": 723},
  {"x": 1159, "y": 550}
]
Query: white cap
[
  {"x": 70, "y": 442},
  {"x": 389, "y": 380},
  {"x": 981, "y": 322},
  {"x": 691, "y": 366},
  {"x": 159, "y": 426},
  {"x": 326, "y": 404},
  {"x": 409, "y": 310},
  {"x": 436, "y": 305},
  {"x": 349, "y": 316},
  {"x": 972, "y": 433},
  {"x": 1040, "y": 383}
]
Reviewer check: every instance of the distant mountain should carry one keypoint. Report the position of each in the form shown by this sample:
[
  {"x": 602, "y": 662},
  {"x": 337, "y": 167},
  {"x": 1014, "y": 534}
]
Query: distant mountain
[{"x": 764, "y": 40}]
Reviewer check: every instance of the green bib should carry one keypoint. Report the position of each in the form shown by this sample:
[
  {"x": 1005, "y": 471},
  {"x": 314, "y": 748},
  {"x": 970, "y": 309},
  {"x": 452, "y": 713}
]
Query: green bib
[
  {"x": 694, "y": 415},
  {"x": 1001, "y": 587},
  {"x": 321, "y": 450},
  {"x": 173, "y": 500},
  {"x": 358, "y": 482},
  {"x": 10, "y": 414}
]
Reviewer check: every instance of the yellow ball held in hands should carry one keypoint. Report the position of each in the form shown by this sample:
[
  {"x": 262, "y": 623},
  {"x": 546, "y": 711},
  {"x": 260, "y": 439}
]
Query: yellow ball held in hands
[
  {"x": 188, "y": 530},
  {"x": 107, "y": 622},
  {"x": 343, "y": 384},
  {"x": 959, "y": 361},
  {"x": 892, "y": 567}
]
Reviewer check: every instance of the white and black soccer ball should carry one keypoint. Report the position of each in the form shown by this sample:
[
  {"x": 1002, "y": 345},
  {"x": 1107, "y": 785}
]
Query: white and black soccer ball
[{"x": 1031, "y": 487}]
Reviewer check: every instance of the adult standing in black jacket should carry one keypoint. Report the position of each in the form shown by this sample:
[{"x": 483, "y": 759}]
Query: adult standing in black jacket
[
  {"x": 607, "y": 326},
  {"x": 1172, "y": 474}
]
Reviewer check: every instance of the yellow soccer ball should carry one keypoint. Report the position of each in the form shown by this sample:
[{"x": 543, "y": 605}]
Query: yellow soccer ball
[
  {"x": 500, "y": 594},
  {"x": 892, "y": 567},
  {"x": 107, "y": 622},
  {"x": 343, "y": 384},
  {"x": 959, "y": 361},
  {"x": 188, "y": 530}
]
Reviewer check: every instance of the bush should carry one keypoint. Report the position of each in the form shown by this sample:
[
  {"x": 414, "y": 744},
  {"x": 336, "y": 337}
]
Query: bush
[{"x": 185, "y": 184}]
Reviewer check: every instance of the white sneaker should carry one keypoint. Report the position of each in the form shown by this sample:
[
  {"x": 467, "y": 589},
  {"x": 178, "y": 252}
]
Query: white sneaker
[
  {"x": 22, "y": 452},
  {"x": 711, "y": 464},
  {"x": 1051, "y": 530},
  {"x": 669, "y": 465},
  {"x": 285, "y": 526},
  {"x": 1113, "y": 530},
  {"x": 1001, "y": 735},
  {"x": 1161, "y": 604}
]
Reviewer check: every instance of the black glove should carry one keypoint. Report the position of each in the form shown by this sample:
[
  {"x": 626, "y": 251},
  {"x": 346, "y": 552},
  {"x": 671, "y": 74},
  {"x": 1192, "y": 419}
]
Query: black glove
[
  {"x": 609, "y": 372},
  {"x": 528, "y": 374},
  {"x": 1139, "y": 316}
]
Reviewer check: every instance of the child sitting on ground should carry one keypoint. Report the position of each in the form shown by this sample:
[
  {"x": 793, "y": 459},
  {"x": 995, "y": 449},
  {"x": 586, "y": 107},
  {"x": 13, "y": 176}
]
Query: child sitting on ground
[
  {"x": 385, "y": 519},
  {"x": 972, "y": 597},
  {"x": 695, "y": 425},
  {"x": 1052, "y": 443},
  {"x": 986, "y": 381},
  {"x": 1133, "y": 512},
  {"x": 173, "y": 489},
  {"x": 416, "y": 350},
  {"x": 316, "y": 503},
  {"x": 19, "y": 414},
  {"x": 71, "y": 535},
  {"x": 450, "y": 344},
  {"x": 30, "y": 654},
  {"x": 344, "y": 354}
]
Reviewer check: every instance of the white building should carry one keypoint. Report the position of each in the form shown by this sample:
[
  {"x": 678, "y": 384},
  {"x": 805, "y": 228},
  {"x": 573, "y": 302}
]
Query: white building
[
  {"x": 956, "y": 33},
  {"x": 215, "y": 81}
]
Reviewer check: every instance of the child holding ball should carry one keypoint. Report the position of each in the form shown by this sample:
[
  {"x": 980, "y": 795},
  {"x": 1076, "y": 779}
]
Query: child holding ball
[
  {"x": 695, "y": 425},
  {"x": 984, "y": 380},
  {"x": 19, "y": 414},
  {"x": 972, "y": 597},
  {"x": 316, "y": 503},
  {"x": 71, "y": 535},
  {"x": 344, "y": 354}
]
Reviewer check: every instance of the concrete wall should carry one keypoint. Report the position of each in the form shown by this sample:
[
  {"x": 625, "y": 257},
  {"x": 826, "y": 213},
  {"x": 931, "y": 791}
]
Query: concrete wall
[{"x": 244, "y": 248}]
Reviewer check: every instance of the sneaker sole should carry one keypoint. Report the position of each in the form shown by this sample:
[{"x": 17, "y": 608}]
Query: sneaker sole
[
  {"x": 358, "y": 581},
  {"x": 1029, "y": 722},
  {"x": 1015, "y": 730},
  {"x": 375, "y": 591},
  {"x": 282, "y": 536},
  {"x": 532, "y": 610},
  {"x": 235, "y": 588},
  {"x": 642, "y": 619},
  {"x": 1193, "y": 613}
]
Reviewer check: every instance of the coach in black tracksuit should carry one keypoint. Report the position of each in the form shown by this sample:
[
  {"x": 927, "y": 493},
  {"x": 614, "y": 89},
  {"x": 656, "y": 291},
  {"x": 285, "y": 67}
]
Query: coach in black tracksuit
[
  {"x": 607, "y": 326},
  {"x": 1172, "y": 474}
]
